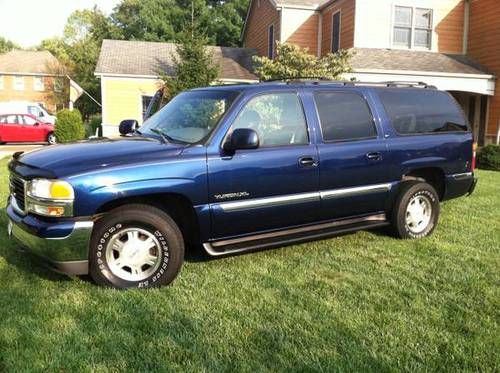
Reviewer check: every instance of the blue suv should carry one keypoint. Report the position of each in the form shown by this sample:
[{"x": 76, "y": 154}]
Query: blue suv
[{"x": 240, "y": 168}]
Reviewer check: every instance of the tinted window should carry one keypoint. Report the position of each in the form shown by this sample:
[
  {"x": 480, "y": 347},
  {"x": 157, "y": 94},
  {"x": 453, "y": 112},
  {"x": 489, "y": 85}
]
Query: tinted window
[
  {"x": 344, "y": 116},
  {"x": 336, "y": 32},
  {"x": 277, "y": 118},
  {"x": 422, "y": 111}
]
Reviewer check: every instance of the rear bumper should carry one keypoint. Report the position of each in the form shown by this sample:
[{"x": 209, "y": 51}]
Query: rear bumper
[
  {"x": 63, "y": 246},
  {"x": 458, "y": 185}
]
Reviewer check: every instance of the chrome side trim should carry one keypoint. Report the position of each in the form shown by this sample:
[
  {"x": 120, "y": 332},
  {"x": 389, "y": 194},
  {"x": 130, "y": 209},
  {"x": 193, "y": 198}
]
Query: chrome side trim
[
  {"x": 354, "y": 191},
  {"x": 301, "y": 197},
  {"x": 210, "y": 247},
  {"x": 463, "y": 175},
  {"x": 268, "y": 201}
]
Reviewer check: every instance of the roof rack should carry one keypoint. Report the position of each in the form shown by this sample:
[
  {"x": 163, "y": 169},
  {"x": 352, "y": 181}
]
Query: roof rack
[{"x": 320, "y": 80}]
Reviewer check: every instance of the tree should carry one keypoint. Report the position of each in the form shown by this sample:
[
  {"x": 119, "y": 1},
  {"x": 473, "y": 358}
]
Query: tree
[
  {"x": 7, "y": 45},
  {"x": 78, "y": 50},
  {"x": 293, "y": 62},
  {"x": 194, "y": 66}
]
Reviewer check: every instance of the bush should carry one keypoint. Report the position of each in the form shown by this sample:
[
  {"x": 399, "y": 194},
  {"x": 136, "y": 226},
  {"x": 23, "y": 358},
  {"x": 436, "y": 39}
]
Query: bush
[
  {"x": 489, "y": 157},
  {"x": 94, "y": 124},
  {"x": 69, "y": 126}
]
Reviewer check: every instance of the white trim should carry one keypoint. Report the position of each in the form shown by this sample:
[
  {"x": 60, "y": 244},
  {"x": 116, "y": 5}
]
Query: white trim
[
  {"x": 27, "y": 74},
  {"x": 425, "y": 73},
  {"x": 340, "y": 29},
  {"x": 480, "y": 84},
  {"x": 138, "y": 76}
]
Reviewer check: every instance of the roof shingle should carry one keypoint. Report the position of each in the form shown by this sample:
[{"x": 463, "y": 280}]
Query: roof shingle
[
  {"x": 28, "y": 62},
  {"x": 395, "y": 59},
  {"x": 151, "y": 58}
]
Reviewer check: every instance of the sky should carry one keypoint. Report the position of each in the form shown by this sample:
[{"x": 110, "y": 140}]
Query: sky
[{"x": 28, "y": 22}]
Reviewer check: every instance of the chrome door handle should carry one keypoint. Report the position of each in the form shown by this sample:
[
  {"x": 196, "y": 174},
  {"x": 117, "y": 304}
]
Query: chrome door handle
[
  {"x": 374, "y": 156},
  {"x": 307, "y": 162}
]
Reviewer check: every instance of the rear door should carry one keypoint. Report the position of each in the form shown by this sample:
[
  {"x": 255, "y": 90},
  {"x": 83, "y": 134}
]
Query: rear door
[
  {"x": 11, "y": 129},
  {"x": 271, "y": 187},
  {"x": 354, "y": 174}
]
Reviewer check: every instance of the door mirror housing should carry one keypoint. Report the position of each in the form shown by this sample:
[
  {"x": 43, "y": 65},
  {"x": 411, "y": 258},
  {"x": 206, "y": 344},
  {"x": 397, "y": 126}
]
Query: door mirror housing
[
  {"x": 242, "y": 138},
  {"x": 128, "y": 126}
]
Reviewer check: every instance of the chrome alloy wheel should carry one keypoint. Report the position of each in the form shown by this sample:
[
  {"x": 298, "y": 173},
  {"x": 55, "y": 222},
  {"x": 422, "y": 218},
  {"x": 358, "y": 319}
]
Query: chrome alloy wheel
[
  {"x": 133, "y": 254},
  {"x": 418, "y": 213}
]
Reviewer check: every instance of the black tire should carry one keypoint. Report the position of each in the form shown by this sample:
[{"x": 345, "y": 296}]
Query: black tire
[
  {"x": 162, "y": 229},
  {"x": 51, "y": 138},
  {"x": 422, "y": 194}
]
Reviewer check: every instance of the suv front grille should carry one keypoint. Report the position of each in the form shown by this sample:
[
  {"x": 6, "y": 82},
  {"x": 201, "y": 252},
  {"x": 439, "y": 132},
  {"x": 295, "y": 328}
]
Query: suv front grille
[{"x": 17, "y": 190}]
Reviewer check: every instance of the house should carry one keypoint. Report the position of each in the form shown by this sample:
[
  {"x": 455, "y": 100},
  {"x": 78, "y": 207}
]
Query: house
[
  {"x": 451, "y": 44},
  {"x": 31, "y": 76},
  {"x": 130, "y": 75}
]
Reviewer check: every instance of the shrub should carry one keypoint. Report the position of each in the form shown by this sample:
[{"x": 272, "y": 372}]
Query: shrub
[
  {"x": 94, "y": 124},
  {"x": 489, "y": 157},
  {"x": 69, "y": 126}
]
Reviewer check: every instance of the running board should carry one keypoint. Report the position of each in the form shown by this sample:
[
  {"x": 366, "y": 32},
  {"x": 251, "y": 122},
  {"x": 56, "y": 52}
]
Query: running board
[{"x": 293, "y": 235}]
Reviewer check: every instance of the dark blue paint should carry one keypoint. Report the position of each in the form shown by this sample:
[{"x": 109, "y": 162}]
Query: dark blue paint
[{"x": 107, "y": 170}]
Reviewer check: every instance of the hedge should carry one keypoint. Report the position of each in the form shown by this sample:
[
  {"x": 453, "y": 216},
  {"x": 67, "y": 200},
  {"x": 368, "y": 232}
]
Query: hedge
[
  {"x": 69, "y": 126},
  {"x": 488, "y": 157}
]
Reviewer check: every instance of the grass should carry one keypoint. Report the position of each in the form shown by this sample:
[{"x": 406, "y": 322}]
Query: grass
[{"x": 363, "y": 302}]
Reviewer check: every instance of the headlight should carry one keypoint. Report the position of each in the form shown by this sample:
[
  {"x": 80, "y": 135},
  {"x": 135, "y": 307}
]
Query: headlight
[
  {"x": 51, "y": 189},
  {"x": 50, "y": 197}
]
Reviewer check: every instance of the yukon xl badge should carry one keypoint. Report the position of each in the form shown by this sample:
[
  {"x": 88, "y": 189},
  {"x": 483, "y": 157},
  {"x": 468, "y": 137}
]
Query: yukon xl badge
[{"x": 231, "y": 195}]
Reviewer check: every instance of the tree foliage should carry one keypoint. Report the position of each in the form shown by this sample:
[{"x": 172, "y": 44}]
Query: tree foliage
[
  {"x": 194, "y": 65},
  {"x": 293, "y": 62},
  {"x": 7, "y": 45}
]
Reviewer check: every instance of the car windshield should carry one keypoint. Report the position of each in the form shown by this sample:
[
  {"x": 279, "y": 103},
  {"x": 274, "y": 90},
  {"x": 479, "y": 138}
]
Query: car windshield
[{"x": 190, "y": 117}]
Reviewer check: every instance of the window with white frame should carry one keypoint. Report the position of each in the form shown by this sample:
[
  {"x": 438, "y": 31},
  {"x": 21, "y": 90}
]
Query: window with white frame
[
  {"x": 1, "y": 81},
  {"x": 335, "y": 47},
  {"x": 19, "y": 83},
  {"x": 412, "y": 27},
  {"x": 38, "y": 83},
  {"x": 270, "y": 42}
]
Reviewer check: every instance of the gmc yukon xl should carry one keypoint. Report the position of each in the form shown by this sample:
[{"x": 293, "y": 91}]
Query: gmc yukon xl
[{"x": 239, "y": 168}]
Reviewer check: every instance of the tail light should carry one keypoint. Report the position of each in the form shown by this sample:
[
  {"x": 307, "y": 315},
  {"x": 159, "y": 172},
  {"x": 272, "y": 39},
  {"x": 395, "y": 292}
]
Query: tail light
[{"x": 473, "y": 164}]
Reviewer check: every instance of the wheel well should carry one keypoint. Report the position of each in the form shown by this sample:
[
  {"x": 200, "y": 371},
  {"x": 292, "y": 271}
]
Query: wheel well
[
  {"x": 431, "y": 175},
  {"x": 177, "y": 206}
]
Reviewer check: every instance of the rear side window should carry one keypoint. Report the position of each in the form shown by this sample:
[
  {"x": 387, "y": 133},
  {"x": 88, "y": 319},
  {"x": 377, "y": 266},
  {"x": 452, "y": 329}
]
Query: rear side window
[
  {"x": 422, "y": 111},
  {"x": 344, "y": 116}
]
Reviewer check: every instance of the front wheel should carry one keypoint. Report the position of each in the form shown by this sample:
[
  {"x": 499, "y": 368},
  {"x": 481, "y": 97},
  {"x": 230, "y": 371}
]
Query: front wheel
[
  {"x": 51, "y": 138},
  {"x": 416, "y": 211},
  {"x": 136, "y": 246}
]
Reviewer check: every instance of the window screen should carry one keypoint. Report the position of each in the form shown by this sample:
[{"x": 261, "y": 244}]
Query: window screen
[
  {"x": 422, "y": 111},
  {"x": 336, "y": 32},
  {"x": 270, "y": 42},
  {"x": 344, "y": 116}
]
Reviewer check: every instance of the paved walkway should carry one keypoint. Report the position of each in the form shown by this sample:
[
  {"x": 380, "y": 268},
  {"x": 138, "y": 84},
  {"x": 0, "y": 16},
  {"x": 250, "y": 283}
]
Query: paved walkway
[{"x": 7, "y": 150}]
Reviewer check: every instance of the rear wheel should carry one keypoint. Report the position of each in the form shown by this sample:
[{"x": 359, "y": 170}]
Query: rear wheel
[
  {"x": 51, "y": 138},
  {"x": 136, "y": 246},
  {"x": 416, "y": 211}
]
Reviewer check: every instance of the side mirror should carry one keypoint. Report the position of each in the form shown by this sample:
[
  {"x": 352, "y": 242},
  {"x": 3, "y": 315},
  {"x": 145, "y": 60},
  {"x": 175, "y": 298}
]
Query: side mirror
[
  {"x": 37, "y": 124},
  {"x": 128, "y": 126},
  {"x": 242, "y": 138}
]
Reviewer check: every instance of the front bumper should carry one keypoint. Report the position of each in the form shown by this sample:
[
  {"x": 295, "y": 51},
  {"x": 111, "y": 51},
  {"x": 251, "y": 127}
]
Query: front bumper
[{"x": 63, "y": 245}]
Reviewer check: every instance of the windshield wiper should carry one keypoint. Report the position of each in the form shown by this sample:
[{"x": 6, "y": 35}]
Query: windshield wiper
[{"x": 166, "y": 138}]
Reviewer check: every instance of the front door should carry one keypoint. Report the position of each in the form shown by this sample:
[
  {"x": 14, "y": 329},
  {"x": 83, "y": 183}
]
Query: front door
[
  {"x": 354, "y": 162},
  {"x": 273, "y": 186},
  {"x": 31, "y": 129}
]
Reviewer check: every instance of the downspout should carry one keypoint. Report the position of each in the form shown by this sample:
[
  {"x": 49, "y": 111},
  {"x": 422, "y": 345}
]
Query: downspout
[{"x": 465, "y": 40}]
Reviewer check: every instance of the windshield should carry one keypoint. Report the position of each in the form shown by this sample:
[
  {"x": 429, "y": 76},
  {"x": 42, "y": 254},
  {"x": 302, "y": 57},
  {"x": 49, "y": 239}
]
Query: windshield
[{"x": 190, "y": 117}]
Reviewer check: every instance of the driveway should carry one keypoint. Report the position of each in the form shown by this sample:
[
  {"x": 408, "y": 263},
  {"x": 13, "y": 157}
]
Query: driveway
[{"x": 7, "y": 150}]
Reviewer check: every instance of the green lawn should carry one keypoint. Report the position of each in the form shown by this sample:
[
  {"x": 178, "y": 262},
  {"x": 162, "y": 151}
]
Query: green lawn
[{"x": 362, "y": 301}]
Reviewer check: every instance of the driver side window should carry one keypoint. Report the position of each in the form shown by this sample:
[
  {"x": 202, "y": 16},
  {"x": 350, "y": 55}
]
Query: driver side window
[{"x": 277, "y": 118}]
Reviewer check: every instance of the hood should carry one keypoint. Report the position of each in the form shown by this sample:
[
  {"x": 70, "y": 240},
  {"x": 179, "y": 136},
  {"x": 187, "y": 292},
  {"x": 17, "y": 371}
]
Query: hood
[{"x": 71, "y": 159}]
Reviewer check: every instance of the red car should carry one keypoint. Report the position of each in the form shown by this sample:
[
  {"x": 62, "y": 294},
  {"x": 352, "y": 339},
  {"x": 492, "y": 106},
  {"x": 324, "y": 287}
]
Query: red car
[{"x": 25, "y": 128}]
